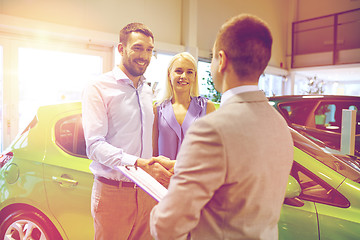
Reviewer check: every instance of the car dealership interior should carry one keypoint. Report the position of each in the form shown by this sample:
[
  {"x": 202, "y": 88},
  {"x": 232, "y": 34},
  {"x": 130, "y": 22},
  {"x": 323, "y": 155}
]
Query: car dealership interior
[{"x": 50, "y": 50}]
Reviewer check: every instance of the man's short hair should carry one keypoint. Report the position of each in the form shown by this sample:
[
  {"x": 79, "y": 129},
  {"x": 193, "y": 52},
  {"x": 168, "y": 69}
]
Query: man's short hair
[
  {"x": 134, "y": 27},
  {"x": 246, "y": 41}
]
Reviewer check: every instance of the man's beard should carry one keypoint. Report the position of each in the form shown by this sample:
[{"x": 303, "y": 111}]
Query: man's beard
[{"x": 132, "y": 69}]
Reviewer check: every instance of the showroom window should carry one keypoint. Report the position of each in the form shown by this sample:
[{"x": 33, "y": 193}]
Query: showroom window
[
  {"x": 39, "y": 71},
  {"x": 272, "y": 85},
  {"x": 156, "y": 73},
  {"x": 204, "y": 76},
  {"x": 48, "y": 77},
  {"x": 304, "y": 85}
]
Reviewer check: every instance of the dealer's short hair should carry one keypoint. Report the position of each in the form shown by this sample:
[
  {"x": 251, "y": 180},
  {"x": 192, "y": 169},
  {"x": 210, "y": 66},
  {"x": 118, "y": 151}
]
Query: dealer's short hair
[{"x": 246, "y": 41}]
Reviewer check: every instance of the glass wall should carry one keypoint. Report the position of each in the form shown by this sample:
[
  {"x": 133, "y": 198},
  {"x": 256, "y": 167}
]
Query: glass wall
[
  {"x": 306, "y": 85},
  {"x": 204, "y": 76},
  {"x": 48, "y": 77},
  {"x": 352, "y": 89},
  {"x": 272, "y": 85},
  {"x": 156, "y": 73}
]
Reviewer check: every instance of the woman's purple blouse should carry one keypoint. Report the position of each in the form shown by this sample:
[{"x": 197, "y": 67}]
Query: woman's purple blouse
[{"x": 171, "y": 133}]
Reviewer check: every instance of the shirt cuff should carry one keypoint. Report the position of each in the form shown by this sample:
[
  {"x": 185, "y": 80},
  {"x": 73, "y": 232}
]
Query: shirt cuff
[{"x": 129, "y": 159}]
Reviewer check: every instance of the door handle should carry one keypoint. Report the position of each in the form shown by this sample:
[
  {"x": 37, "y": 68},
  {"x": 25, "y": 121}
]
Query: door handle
[{"x": 65, "y": 181}]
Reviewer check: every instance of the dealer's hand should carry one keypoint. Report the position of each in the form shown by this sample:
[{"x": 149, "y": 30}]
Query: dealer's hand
[
  {"x": 165, "y": 162},
  {"x": 156, "y": 170}
]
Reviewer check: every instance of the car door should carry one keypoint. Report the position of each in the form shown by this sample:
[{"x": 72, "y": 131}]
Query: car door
[
  {"x": 335, "y": 217},
  {"x": 341, "y": 219},
  {"x": 298, "y": 222},
  {"x": 68, "y": 180},
  {"x": 338, "y": 223}
]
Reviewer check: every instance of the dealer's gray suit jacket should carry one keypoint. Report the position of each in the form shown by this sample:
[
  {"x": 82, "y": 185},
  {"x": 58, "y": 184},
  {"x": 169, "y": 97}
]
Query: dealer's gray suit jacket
[{"x": 230, "y": 176}]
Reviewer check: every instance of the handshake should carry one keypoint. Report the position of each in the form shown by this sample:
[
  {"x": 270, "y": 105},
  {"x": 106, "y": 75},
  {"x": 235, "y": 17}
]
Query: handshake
[{"x": 161, "y": 168}]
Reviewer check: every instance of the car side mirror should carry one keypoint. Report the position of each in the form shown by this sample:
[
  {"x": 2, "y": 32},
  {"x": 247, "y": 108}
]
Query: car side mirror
[
  {"x": 293, "y": 188},
  {"x": 293, "y": 191}
]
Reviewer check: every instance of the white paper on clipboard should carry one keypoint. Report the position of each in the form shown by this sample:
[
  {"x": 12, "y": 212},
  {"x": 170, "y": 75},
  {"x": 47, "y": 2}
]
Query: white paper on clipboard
[{"x": 144, "y": 181}]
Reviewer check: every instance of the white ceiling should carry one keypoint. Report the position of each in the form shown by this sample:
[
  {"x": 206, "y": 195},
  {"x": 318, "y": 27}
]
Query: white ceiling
[{"x": 343, "y": 73}]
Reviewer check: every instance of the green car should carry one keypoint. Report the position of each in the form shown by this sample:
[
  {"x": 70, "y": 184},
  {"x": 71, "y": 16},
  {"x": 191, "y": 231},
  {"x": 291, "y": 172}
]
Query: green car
[{"x": 45, "y": 185}]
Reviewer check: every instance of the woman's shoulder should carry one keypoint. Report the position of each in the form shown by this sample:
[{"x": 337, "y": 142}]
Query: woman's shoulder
[
  {"x": 201, "y": 101},
  {"x": 204, "y": 102},
  {"x": 161, "y": 105}
]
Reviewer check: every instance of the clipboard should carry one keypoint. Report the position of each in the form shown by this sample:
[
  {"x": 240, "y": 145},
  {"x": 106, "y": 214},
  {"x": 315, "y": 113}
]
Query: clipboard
[{"x": 145, "y": 181}]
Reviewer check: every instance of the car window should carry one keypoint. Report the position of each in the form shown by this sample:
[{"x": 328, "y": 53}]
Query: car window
[
  {"x": 69, "y": 135},
  {"x": 325, "y": 117},
  {"x": 342, "y": 164},
  {"x": 316, "y": 190},
  {"x": 297, "y": 112},
  {"x": 328, "y": 115}
]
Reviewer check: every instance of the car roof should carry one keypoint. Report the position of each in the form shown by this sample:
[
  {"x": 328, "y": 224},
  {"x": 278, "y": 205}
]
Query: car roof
[{"x": 59, "y": 108}]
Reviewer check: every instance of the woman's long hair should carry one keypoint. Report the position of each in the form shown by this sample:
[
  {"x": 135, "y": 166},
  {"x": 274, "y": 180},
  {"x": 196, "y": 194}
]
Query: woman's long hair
[{"x": 168, "y": 92}]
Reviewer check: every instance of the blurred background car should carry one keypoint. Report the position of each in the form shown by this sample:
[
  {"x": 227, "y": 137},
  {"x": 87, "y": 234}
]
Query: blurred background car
[
  {"x": 319, "y": 116},
  {"x": 45, "y": 185}
]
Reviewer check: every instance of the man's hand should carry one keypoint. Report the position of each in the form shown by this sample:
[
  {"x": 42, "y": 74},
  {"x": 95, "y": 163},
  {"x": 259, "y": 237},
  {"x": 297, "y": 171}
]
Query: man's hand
[
  {"x": 160, "y": 173},
  {"x": 165, "y": 162}
]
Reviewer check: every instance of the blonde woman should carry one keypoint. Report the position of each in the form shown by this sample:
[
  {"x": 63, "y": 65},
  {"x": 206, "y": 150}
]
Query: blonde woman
[{"x": 180, "y": 106}]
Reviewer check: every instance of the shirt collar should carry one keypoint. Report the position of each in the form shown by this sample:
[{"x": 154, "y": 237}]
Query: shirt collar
[
  {"x": 120, "y": 75},
  {"x": 233, "y": 91}
]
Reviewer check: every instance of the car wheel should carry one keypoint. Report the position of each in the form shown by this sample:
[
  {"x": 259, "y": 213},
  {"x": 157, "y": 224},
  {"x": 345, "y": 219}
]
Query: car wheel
[{"x": 22, "y": 224}]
